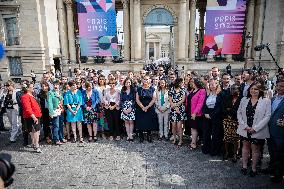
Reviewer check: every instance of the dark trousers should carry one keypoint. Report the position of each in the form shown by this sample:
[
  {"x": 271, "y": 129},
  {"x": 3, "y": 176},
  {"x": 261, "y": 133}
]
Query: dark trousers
[
  {"x": 212, "y": 136},
  {"x": 276, "y": 146},
  {"x": 25, "y": 132},
  {"x": 112, "y": 117},
  {"x": 46, "y": 122},
  {"x": 1, "y": 120}
]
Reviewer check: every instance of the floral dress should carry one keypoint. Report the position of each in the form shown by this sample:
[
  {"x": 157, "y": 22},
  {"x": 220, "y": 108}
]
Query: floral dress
[
  {"x": 91, "y": 115},
  {"x": 127, "y": 101},
  {"x": 177, "y": 97}
]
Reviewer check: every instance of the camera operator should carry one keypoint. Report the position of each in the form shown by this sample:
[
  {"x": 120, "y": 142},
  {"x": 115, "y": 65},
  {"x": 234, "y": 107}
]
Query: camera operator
[{"x": 6, "y": 170}]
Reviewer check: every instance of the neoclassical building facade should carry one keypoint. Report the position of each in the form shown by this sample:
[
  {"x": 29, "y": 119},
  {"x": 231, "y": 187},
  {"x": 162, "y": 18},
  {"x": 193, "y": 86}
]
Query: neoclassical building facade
[{"x": 39, "y": 34}]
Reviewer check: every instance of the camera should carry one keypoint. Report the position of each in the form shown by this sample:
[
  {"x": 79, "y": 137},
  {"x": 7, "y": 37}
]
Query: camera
[{"x": 7, "y": 169}]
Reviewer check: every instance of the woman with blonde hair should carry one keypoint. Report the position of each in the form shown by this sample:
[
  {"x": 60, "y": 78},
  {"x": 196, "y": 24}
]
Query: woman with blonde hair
[
  {"x": 163, "y": 109},
  {"x": 212, "y": 127}
]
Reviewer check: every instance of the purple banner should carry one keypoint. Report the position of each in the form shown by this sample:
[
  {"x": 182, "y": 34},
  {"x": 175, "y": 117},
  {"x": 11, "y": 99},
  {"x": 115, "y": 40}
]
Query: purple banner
[
  {"x": 224, "y": 24},
  {"x": 97, "y": 27}
]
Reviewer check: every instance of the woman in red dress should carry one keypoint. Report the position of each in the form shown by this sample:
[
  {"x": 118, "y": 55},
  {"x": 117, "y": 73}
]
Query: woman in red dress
[{"x": 31, "y": 114}]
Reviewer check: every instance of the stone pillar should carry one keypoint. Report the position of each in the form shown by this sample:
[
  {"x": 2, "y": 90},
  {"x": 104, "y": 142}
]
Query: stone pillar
[
  {"x": 160, "y": 50},
  {"x": 126, "y": 30},
  {"x": 147, "y": 50},
  {"x": 258, "y": 26},
  {"x": 155, "y": 51},
  {"x": 201, "y": 28},
  {"x": 71, "y": 35},
  {"x": 191, "y": 55},
  {"x": 249, "y": 25},
  {"x": 137, "y": 30},
  {"x": 182, "y": 30},
  {"x": 62, "y": 29}
]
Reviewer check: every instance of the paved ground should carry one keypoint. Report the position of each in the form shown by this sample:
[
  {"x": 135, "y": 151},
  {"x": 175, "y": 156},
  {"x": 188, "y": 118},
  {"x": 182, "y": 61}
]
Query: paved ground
[{"x": 107, "y": 164}]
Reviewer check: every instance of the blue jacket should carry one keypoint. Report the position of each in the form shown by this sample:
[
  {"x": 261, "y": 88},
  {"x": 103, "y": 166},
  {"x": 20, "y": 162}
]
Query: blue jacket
[
  {"x": 276, "y": 131},
  {"x": 95, "y": 98}
]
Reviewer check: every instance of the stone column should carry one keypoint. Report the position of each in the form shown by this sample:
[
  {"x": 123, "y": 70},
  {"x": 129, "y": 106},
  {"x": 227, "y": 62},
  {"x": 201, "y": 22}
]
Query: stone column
[
  {"x": 191, "y": 55},
  {"x": 62, "y": 29},
  {"x": 71, "y": 30},
  {"x": 126, "y": 30},
  {"x": 160, "y": 50},
  {"x": 137, "y": 30},
  {"x": 201, "y": 28},
  {"x": 258, "y": 26},
  {"x": 182, "y": 30},
  {"x": 155, "y": 51},
  {"x": 249, "y": 24},
  {"x": 147, "y": 50}
]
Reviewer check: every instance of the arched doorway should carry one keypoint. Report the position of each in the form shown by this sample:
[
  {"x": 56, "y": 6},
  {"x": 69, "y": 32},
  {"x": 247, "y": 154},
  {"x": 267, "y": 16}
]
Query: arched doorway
[{"x": 159, "y": 36}]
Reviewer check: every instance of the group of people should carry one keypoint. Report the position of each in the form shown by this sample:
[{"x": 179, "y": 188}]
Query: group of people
[{"x": 223, "y": 114}]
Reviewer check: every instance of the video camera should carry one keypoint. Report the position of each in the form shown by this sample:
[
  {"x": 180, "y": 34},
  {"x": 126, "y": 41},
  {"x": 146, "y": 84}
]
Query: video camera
[{"x": 7, "y": 169}]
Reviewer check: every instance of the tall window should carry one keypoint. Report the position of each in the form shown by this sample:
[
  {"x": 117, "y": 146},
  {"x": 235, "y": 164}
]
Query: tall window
[
  {"x": 151, "y": 50},
  {"x": 163, "y": 54},
  {"x": 11, "y": 31},
  {"x": 15, "y": 65}
]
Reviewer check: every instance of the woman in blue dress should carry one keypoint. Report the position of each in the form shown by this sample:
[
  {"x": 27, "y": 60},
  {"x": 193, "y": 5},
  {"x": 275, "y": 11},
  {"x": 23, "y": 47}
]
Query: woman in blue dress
[
  {"x": 73, "y": 100},
  {"x": 127, "y": 105},
  {"x": 145, "y": 111},
  {"x": 91, "y": 100}
]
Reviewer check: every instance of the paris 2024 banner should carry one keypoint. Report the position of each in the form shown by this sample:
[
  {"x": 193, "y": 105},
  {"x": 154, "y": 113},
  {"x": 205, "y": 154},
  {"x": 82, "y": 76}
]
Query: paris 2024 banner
[
  {"x": 97, "y": 27},
  {"x": 224, "y": 26}
]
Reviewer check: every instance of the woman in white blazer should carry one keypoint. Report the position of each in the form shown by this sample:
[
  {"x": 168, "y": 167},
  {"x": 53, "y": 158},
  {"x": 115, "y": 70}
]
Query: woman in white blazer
[
  {"x": 162, "y": 109},
  {"x": 253, "y": 116}
]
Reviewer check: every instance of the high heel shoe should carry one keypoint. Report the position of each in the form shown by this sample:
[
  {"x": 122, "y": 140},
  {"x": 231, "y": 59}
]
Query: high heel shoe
[
  {"x": 90, "y": 139},
  {"x": 192, "y": 146},
  {"x": 252, "y": 173},
  {"x": 95, "y": 138},
  {"x": 244, "y": 171}
]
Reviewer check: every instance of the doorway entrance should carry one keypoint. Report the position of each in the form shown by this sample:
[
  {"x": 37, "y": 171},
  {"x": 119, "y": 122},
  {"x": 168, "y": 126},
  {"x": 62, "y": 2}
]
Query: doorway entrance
[{"x": 159, "y": 35}]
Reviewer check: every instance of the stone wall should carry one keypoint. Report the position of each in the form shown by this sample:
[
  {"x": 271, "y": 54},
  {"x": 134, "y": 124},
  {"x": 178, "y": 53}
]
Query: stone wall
[{"x": 31, "y": 48}]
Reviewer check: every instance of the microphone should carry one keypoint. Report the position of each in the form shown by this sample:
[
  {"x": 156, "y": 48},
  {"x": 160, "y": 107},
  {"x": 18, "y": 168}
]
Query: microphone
[{"x": 261, "y": 46}]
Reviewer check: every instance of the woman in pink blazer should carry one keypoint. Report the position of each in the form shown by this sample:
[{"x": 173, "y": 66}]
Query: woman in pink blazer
[{"x": 195, "y": 101}]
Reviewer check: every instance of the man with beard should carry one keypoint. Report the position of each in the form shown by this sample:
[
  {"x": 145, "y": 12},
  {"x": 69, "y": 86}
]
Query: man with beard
[{"x": 215, "y": 73}]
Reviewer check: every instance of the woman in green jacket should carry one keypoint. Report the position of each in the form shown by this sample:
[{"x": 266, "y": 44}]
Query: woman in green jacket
[{"x": 55, "y": 107}]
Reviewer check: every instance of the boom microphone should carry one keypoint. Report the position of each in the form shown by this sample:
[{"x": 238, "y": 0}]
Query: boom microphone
[{"x": 261, "y": 46}]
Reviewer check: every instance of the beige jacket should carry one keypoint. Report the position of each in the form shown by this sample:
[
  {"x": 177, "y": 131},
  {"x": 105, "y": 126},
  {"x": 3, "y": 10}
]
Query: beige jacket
[{"x": 261, "y": 118}]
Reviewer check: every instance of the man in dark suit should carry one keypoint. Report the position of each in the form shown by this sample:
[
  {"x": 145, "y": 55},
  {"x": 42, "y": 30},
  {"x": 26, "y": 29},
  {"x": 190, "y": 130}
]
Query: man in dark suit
[{"x": 276, "y": 127}]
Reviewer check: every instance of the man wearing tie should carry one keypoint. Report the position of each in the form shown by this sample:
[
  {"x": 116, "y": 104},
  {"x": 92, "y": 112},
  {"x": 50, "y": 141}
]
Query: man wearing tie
[{"x": 276, "y": 127}]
